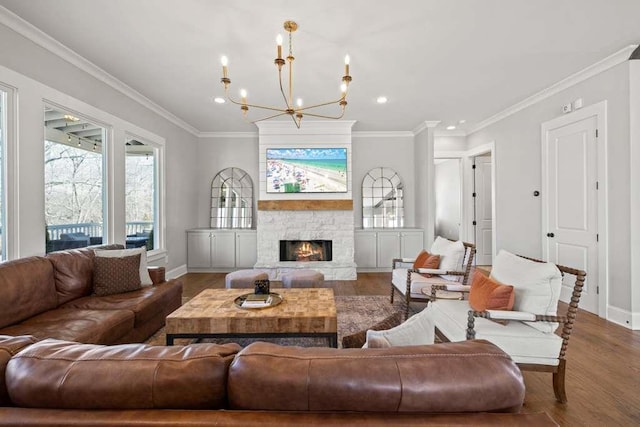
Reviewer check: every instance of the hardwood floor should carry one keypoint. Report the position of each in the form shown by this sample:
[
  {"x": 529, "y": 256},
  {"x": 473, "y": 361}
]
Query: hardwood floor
[{"x": 603, "y": 361}]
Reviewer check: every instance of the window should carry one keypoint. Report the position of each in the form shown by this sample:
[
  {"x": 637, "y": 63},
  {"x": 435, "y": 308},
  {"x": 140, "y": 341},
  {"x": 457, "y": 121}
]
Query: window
[
  {"x": 382, "y": 199},
  {"x": 231, "y": 199},
  {"x": 141, "y": 194},
  {"x": 3, "y": 139},
  {"x": 73, "y": 174}
]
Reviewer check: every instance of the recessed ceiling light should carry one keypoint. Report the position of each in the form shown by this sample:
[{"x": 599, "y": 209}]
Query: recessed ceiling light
[
  {"x": 381, "y": 100},
  {"x": 218, "y": 100},
  {"x": 451, "y": 127},
  {"x": 463, "y": 121}
]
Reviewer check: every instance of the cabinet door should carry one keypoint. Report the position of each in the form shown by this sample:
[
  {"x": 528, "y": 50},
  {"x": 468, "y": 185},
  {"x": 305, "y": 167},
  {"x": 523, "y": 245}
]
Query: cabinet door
[
  {"x": 388, "y": 247},
  {"x": 246, "y": 249},
  {"x": 365, "y": 249},
  {"x": 223, "y": 249},
  {"x": 411, "y": 243},
  {"x": 199, "y": 249}
]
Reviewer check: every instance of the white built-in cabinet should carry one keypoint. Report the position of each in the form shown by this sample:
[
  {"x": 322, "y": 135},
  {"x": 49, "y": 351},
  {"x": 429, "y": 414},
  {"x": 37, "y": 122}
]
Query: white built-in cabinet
[
  {"x": 376, "y": 248},
  {"x": 221, "y": 249}
]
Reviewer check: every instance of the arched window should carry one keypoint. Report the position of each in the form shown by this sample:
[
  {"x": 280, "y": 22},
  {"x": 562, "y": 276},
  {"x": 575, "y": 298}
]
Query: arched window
[
  {"x": 232, "y": 199},
  {"x": 382, "y": 205}
]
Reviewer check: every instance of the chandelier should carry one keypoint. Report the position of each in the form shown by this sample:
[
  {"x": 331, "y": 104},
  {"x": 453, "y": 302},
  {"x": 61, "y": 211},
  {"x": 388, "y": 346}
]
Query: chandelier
[{"x": 297, "y": 111}]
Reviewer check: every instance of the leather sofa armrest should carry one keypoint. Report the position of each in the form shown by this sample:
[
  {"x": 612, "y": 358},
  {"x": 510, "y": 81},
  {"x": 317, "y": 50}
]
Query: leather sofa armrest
[{"x": 157, "y": 274}]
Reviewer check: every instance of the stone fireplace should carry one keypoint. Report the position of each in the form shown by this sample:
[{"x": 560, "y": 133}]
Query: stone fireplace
[
  {"x": 336, "y": 226},
  {"x": 309, "y": 217}
]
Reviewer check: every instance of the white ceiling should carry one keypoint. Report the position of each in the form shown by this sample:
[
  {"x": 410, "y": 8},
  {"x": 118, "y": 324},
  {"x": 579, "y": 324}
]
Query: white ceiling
[{"x": 443, "y": 60}]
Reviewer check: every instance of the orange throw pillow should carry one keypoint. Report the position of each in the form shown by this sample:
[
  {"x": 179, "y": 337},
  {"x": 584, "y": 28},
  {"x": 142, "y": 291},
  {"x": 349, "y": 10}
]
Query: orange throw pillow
[
  {"x": 420, "y": 259},
  {"x": 426, "y": 260},
  {"x": 488, "y": 294}
]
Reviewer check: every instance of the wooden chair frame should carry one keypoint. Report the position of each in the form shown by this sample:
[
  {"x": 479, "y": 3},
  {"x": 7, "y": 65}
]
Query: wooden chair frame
[
  {"x": 469, "y": 254},
  {"x": 567, "y": 326}
]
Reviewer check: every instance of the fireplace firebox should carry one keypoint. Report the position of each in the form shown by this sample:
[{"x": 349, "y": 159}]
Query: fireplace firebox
[{"x": 305, "y": 250}]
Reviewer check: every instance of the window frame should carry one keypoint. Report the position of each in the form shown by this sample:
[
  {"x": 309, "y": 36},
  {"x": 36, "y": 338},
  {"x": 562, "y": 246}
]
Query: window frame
[
  {"x": 158, "y": 145},
  {"x": 9, "y": 170}
]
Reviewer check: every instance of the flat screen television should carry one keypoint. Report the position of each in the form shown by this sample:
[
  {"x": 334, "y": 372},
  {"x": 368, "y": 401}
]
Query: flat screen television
[{"x": 306, "y": 170}]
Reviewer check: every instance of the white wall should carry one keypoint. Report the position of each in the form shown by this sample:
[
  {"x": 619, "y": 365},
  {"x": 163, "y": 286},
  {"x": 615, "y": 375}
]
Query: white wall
[
  {"x": 44, "y": 68},
  {"x": 215, "y": 154},
  {"x": 450, "y": 143},
  {"x": 518, "y": 172},
  {"x": 395, "y": 152}
]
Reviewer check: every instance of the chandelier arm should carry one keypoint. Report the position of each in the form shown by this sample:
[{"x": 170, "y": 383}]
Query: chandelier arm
[
  {"x": 268, "y": 117},
  {"x": 325, "y": 117},
  {"x": 320, "y": 105},
  {"x": 280, "y": 110},
  {"x": 286, "y": 101}
]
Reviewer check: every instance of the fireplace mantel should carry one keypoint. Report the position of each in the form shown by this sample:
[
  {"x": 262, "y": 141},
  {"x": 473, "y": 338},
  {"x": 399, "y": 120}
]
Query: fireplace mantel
[{"x": 306, "y": 205}]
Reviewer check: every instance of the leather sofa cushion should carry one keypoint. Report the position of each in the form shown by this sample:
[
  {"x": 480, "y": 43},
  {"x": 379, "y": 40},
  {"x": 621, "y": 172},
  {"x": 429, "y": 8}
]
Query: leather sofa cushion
[
  {"x": 59, "y": 374},
  {"x": 9, "y": 346},
  {"x": 27, "y": 288},
  {"x": 145, "y": 303},
  {"x": 454, "y": 377},
  {"x": 88, "y": 326},
  {"x": 73, "y": 271}
]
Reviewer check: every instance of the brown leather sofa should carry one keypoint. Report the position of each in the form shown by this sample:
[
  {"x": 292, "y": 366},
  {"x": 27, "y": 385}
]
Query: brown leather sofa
[
  {"x": 54, "y": 382},
  {"x": 50, "y": 297}
]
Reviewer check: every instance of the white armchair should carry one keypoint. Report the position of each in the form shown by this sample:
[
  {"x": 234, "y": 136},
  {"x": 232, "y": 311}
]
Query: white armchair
[
  {"x": 527, "y": 333},
  {"x": 456, "y": 259}
]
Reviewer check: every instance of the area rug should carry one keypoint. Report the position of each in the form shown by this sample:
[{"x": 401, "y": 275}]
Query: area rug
[{"x": 354, "y": 313}]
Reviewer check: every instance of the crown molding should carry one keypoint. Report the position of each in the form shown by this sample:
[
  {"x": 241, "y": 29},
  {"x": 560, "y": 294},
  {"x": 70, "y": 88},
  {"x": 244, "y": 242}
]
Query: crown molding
[
  {"x": 42, "y": 39},
  {"x": 424, "y": 125},
  {"x": 592, "y": 70}
]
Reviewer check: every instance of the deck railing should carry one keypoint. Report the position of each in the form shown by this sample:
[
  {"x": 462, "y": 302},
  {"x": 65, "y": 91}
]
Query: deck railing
[{"x": 93, "y": 229}]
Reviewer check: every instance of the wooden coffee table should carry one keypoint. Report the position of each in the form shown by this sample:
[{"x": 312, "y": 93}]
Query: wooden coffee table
[{"x": 213, "y": 314}]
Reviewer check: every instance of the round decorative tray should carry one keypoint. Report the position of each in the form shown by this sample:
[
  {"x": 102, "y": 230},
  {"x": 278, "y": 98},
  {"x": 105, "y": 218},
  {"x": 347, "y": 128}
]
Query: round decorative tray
[{"x": 275, "y": 300}]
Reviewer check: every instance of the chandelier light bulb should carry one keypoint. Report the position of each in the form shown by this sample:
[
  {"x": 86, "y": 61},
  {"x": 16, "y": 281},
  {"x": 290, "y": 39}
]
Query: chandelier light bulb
[
  {"x": 343, "y": 89},
  {"x": 299, "y": 102},
  {"x": 279, "y": 43},
  {"x": 346, "y": 65},
  {"x": 243, "y": 95},
  {"x": 225, "y": 61}
]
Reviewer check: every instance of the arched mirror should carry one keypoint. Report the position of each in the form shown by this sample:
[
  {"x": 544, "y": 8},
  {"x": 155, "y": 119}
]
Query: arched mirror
[
  {"x": 382, "y": 204},
  {"x": 232, "y": 199}
]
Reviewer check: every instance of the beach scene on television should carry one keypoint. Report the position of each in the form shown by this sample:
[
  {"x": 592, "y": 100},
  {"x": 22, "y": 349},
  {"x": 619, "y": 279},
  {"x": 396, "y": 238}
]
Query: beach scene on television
[{"x": 306, "y": 170}]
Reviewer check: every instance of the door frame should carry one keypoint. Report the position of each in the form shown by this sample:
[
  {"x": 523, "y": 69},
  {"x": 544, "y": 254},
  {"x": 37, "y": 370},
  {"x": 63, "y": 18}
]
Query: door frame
[
  {"x": 599, "y": 110},
  {"x": 466, "y": 229}
]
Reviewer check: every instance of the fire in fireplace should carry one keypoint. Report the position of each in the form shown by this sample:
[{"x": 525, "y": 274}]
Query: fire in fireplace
[{"x": 305, "y": 250}]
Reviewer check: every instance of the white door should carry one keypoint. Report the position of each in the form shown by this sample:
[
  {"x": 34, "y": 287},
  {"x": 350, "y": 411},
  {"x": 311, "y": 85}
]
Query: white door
[
  {"x": 411, "y": 243},
  {"x": 365, "y": 243},
  {"x": 388, "y": 247},
  {"x": 571, "y": 176},
  {"x": 223, "y": 249},
  {"x": 199, "y": 249},
  {"x": 482, "y": 207},
  {"x": 246, "y": 249}
]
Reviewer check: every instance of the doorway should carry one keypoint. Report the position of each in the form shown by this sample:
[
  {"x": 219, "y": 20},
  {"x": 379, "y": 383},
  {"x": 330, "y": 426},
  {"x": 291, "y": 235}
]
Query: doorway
[
  {"x": 448, "y": 197},
  {"x": 573, "y": 197},
  {"x": 482, "y": 208}
]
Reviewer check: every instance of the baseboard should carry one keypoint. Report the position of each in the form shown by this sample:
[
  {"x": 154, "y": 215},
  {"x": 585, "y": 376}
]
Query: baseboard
[
  {"x": 180, "y": 270},
  {"x": 623, "y": 317}
]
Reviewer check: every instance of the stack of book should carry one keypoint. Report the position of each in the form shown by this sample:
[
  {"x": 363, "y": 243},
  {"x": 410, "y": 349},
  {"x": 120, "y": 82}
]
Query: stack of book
[{"x": 257, "y": 301}]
